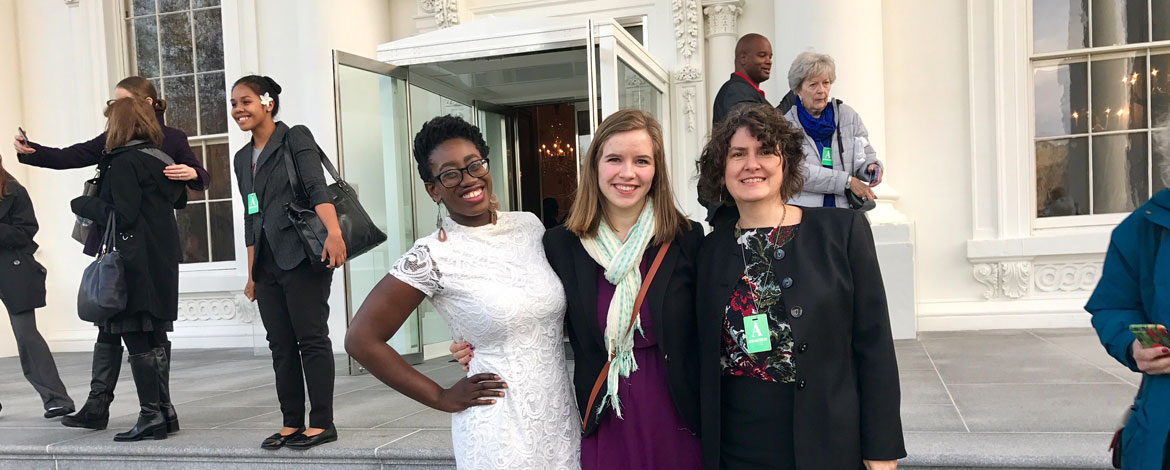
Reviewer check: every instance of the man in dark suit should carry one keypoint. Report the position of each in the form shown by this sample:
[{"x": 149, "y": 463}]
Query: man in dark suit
[{"x": 753, "y": 66}]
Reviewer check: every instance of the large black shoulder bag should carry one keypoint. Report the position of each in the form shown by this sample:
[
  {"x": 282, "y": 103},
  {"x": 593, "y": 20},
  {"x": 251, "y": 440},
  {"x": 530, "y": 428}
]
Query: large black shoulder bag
[
  {"x": 357, "y": 229},
  {"x": 103, "y": 283}
]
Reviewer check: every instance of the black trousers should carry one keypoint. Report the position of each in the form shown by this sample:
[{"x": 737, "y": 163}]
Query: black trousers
[
  {"x": 37, "y": 362},
  {"x": 295, "y": 311},
  {"x": 756, "y": 429}
]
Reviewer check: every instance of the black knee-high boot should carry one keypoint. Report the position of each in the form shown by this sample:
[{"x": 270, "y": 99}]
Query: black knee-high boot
[
  {"x": 164, "y": 387},
  {"x": 151, "y": 424},
  {"x": 107, "y": 364}
]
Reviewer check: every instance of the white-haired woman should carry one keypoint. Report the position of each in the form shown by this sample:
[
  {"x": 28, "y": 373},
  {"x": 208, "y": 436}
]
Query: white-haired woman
[{"x": 837, "y": 154}]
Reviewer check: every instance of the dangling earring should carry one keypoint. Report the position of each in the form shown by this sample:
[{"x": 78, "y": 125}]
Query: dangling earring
[
  {"x": 439, "y": 221},
  {"x": 495, "y": 209}
]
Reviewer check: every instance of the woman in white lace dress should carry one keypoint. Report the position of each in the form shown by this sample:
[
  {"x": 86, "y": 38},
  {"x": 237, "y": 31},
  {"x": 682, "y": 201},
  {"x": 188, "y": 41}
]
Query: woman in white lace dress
[{"x": 487, "y": 276}]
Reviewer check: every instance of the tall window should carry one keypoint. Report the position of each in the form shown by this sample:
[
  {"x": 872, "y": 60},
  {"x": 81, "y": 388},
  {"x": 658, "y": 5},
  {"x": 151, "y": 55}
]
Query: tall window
[
  {"x": 1101, "y": 95},
  {"x": 178, "y": 45}
]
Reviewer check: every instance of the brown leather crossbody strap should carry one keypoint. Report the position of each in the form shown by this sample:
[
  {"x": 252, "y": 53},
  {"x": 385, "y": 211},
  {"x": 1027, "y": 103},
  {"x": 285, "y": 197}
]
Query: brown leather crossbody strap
[{"x": 637, "y": 307}]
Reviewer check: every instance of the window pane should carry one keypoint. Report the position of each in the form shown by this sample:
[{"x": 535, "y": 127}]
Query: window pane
[
  {"x": 205, "y": 3},
  {"x": 1120, "y": 181},
  {"x": 175, "y": 31},
  {"x": 146, "y": 46},
  {"x": 223, "y": 241},
  {"x": 1062, "y": 104},
  {"x": 219, "y": 166},
  {"x": 1062, "y": 177},
  {"x": 1119, "y": 90},
  {"x": 209, "y": 40},
  {"x": 180, "y": 95},
  {"x": 1161, "y": 147},
  {"x": 1161, "y": 9},
  {"x": 1117, "y": 22},
  {"x": 193, "y": 232},
  {"x": 212, "y": 104},
  {"x": 1160, "y": 89},
  {"x": 1059, "y": 25},
  {"x": 168, "y": 6},
  {"x": 193, "y": 195},
  {"x": 142, "y": 7}
]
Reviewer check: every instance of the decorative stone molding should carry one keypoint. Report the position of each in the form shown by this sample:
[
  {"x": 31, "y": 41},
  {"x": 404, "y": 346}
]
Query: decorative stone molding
[
  {"x": 689, "y": 108},
  {"x": 446, "y": 11},
  {"x": 1011, "y": 279},
  {"x": 1067, "y": 277},
  {"x": 235, "y": 307},
  {"x": 688, "y": 74},
  {"x": 988, "y": 275},
  {"x": 686, "y": 27},
  {"x": 722, "y": 18}
]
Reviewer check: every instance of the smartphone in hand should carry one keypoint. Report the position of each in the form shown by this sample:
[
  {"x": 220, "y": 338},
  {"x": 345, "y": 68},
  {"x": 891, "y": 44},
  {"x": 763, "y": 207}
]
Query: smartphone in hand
[
  {"x": 23, "y": 136},
  {"x": 1150, "y": 335}
]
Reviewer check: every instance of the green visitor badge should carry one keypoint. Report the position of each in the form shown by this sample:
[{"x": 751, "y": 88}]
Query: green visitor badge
[
  {"x": 756, "y": 334},
  {"x": 253, "y": 204},
  {"x": 826, "y": 157}
]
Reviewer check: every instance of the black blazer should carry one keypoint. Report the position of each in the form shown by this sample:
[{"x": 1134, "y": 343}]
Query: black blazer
[
  {"x": 734, "y": 91},
  {"x": 90, "y": 153},
  {"x": 669, "y": 296},
  {"x": 273, "y": 189},
  {"x": 847, "y": 395},
  {"x": 22, "y": 278},
  {"x": 143, "y": 200}
]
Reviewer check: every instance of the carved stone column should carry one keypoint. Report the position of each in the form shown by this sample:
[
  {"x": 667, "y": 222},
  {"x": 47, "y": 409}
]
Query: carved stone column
[
  {"x": 690, "y": 103},
  {"x": 722, "y": 32}
]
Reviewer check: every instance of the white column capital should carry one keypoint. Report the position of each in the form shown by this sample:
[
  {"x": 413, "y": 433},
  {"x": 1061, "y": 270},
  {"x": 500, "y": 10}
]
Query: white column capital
[{"x": 722, "y": 16}]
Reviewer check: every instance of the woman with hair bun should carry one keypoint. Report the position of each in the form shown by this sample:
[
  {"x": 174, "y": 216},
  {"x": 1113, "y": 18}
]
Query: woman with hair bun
[{"x": 292, "y": 293}]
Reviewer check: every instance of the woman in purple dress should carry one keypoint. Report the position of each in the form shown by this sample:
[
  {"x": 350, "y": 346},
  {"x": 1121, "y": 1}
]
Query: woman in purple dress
[{"x": 643, "y": 412}]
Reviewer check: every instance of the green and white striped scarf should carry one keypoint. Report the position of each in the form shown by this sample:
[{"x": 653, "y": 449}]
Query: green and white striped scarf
[{"x": 621, "y": 261}]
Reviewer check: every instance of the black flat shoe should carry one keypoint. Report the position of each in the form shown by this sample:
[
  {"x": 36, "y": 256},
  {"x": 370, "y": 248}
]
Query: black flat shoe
[
  {"x": 302, "y": 442},
  {"x": 278, "y": 440},
  {"x": 57, "y": 411}
]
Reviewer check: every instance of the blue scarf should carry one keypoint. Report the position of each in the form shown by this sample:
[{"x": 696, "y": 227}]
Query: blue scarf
[{"x": 821, "y": 131}]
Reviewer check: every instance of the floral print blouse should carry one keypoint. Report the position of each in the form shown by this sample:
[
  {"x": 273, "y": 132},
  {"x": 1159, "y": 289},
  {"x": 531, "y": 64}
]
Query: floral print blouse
[{"x": 759, "y": 292}]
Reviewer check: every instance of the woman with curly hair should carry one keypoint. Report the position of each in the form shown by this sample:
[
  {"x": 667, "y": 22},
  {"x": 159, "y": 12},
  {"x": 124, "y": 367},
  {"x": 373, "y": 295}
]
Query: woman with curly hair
[{"x": 796, "y": 358}]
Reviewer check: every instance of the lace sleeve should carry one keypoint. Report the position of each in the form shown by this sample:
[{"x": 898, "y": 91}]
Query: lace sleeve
[{"x": 417, "y": 268}]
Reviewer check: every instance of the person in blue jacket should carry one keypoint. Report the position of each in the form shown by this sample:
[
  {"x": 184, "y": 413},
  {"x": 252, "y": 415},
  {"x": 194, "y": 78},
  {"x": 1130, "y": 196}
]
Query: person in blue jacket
[{"x": 1138, "y": 260}]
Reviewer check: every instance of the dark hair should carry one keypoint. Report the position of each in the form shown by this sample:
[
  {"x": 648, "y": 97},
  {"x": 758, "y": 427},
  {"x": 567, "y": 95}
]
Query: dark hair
[
  {"x": 772, "y": 130},
  {"x": 439, "y": 130},
  {"x": 142, "y": 88},
  {"x": 261, "y": 85},
  {"x": 130, "y": 119}
]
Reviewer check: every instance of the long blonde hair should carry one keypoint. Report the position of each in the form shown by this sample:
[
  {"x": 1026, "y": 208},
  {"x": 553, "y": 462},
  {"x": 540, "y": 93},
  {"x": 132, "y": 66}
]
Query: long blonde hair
[
  {"x": 130, "y": 119},
  {"x": 585, "y": 216}
]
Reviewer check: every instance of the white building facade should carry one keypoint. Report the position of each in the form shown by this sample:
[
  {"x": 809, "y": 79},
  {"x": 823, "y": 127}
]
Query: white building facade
[{"x": 1007, "y": 161}]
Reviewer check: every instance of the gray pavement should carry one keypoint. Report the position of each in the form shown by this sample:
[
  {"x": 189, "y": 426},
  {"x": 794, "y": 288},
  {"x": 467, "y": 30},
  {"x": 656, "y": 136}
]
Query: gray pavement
[{"x": 973, "y": 399}]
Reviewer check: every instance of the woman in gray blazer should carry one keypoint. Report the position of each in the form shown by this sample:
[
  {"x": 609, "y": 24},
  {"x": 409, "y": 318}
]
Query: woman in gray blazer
[
  {"x": 837, "y": 154},
  {"x": 292, "y": 293},
  {"x": 22, "y": 290}
]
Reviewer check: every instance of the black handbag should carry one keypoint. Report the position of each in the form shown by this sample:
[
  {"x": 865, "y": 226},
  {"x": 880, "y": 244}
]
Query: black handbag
[
  {"x": 80, "y": 231},
  {"x": 103, "y": 283},
  {"x": 357, "y": 229},
  {"x": 855, "y": 202}
]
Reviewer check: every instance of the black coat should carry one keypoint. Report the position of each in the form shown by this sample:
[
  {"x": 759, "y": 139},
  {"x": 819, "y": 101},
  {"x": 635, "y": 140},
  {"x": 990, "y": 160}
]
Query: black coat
[
  {"x": 734, "y": 91},
  {"x": 669, "y": 296},
  {"x": 22, "y": 278},
  {"x": 273, "y": 189},
  {"x": 134, "y": 188},
  {"x": 847, "y": 395}
]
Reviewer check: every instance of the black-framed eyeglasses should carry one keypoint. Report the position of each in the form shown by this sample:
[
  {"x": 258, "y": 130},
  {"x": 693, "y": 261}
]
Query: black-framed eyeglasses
[{"x": 451, "y": 178}]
